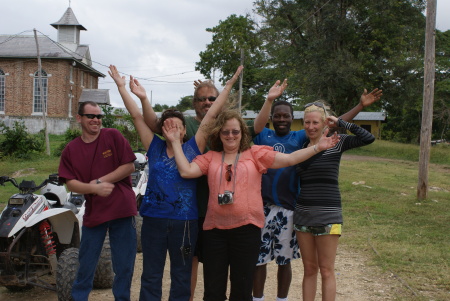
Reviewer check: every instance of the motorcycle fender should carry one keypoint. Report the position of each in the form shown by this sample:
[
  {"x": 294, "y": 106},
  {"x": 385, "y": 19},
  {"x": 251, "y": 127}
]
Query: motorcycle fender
[{"x": 62, "y": 221}]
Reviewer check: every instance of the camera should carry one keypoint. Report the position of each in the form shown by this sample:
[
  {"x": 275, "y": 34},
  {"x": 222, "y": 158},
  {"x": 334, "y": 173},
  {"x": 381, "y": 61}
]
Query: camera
[{"x": 226, "y": 198}]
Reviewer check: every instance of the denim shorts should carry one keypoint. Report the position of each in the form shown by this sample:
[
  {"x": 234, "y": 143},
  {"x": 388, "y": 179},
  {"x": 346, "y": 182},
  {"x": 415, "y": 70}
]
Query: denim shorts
[{"x": 330, "y": 229}]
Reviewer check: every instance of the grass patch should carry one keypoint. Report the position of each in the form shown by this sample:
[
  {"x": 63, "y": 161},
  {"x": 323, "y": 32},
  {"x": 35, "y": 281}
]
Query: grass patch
[
  {"x": 440, "y": 154},
  {"x": 383, "y": 215}
]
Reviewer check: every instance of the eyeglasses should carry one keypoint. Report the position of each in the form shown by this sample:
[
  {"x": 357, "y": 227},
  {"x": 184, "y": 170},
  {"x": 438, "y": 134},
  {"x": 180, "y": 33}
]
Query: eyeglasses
[
  {"x": 203, "y": 99},
  {"x": 317, "y": 104},
  {"x": 92, "y": 116},
  {"x": 228, "y": 173},
  {"x": 227, "y": 132}
]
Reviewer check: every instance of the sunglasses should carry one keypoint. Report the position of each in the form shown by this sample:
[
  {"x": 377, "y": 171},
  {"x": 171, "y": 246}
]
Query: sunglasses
[
  {"x": 227, "y": 132},
  {"x": 317, "y": 104},
  {"x": 203, "y": 99},
  {"x": 92, "y": 116},
  {"x": 228, "y": 173}
]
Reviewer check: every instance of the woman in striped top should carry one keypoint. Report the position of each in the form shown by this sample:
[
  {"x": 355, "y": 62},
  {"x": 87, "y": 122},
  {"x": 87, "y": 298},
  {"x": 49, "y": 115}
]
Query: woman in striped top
[{"x": 318, "y": 212}]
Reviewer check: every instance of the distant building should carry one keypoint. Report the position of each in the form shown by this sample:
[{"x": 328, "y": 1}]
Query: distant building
[
  {"x": 371, "y": 121},
  {"x": 66, "y": 71}
]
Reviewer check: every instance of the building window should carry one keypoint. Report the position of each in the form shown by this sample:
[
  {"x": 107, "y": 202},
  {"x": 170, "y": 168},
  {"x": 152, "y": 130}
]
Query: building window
[
  {"x": 2, "y": 91},
  {"x": 38, "y": 103}
]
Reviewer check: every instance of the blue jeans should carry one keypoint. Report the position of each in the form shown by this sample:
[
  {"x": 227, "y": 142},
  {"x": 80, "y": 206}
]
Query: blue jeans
[
  {"x": 122, "y": 237},
  {"x": 236, "y": 249},
  {"x": 159, "y": 236}
]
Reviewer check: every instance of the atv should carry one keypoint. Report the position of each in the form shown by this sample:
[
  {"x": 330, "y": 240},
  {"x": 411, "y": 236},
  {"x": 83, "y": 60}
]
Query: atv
[
  {"x": 40, "y": 236},
  {"x": 139, "y": 180}
]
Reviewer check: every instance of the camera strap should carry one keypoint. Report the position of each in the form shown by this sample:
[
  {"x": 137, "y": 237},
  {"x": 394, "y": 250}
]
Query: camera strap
[{"x": 234, "y": 174}]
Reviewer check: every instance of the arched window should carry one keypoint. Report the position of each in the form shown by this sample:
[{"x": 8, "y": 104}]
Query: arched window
[{"x": 38, "y": 103}]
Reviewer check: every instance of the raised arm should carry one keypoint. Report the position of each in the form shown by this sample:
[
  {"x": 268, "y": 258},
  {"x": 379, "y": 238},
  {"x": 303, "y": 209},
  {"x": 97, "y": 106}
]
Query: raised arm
[
  {"x": 172, "y": 134},
  {"x": 149, "y": 114},
  {"x": 284, "y": 160},
  {"x": 366, "y": 100},
  {"x": 215, "y": 109},
  {"x": 263, "y": 116},
  {"x": 144, "y": 131}
]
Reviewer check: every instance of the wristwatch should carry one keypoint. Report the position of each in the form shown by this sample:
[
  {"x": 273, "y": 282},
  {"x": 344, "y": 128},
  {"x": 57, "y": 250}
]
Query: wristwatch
[{"x": 98, "y": 181}]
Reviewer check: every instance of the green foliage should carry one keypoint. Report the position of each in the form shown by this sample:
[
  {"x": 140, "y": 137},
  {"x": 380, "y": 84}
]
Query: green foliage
[
  {"x": 159, "y": 108},
  {"x": 109, "y": 119},
  {"x": 69, "y": 135},
  {"x": 233, "y": 37},
  {"x": 18, "y": 143},
  {"x": 184, "y": 104}
]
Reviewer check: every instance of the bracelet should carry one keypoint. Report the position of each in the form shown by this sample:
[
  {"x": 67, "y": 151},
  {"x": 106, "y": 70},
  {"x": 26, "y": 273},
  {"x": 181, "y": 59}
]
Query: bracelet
[{"x": 315, "y": 148}]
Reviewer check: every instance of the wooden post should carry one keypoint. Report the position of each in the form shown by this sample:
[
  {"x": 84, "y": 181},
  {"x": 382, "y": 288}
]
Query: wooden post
[
  {"x": 241, "y": 76},
  {"x": 428, "y": 97},
  {"x": 44, "y": 103}
]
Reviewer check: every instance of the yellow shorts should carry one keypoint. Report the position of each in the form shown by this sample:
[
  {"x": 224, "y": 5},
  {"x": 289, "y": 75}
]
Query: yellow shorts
[{"x": 330, "y": 229}]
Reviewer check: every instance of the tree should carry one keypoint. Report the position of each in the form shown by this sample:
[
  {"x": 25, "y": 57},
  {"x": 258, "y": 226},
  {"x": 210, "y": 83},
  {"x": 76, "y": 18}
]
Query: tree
[
  {"x": 231, "y": 36},
  {"x": 184, "y": 104},
  {"x": 333, "y": 49},
  {"x": 441, "y": 116}
]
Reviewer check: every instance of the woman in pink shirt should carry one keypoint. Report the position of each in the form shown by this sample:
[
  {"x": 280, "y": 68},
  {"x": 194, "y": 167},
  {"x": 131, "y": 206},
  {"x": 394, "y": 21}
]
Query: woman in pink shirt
[{"x": 235, "y": 208}]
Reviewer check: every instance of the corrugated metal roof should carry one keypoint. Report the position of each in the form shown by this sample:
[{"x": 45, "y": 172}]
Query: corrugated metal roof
[
  {"x": 100, "y": 96},
  {"x": 25, "y": 46},
  {"x": 371, "y": 116},
  {"x": 68, "y": 19},
  {"x": 249, "y": 114}
]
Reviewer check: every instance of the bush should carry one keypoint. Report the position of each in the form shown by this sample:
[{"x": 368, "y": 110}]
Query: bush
[
  {"x": 18, "y": 143},
  {"x": 69, "y": 135}
]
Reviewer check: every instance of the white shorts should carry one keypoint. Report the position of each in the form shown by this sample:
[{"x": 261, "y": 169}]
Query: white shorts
[{"x": 278, "y": 239}]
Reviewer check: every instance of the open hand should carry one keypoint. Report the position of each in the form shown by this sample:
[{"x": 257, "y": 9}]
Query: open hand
[
  {"x": 332, "y": 122},
  {"x": 136, "y": 88},
  {"x": 232, "y": 80},
  {"x": 276, "y": 90},
  {"x": 327, "y": 142},
  {"x": 196, "y": 83},
  {"x": 114, "y": 73},
  {"x": 171, "y": 130},
  {"x": 369, "y": 98}
]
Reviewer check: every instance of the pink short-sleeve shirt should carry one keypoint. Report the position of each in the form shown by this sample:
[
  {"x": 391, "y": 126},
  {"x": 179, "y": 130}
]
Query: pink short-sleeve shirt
[{"x": 247, "y": 207}]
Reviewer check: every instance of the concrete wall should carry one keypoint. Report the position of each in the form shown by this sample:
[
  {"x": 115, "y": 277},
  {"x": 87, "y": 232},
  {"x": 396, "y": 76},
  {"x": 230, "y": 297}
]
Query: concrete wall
[{"x": 56, "y": 126}]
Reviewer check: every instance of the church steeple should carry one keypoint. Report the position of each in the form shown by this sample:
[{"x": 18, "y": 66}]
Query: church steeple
[{"x": 69, "y": 30}]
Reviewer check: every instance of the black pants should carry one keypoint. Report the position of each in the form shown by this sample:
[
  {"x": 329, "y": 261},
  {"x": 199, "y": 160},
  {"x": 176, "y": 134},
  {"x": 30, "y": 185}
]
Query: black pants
[{"x": 235, "y": 248}]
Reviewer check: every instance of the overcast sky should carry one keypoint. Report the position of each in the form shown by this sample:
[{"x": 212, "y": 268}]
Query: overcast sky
[{"x": 156, "y": 40}]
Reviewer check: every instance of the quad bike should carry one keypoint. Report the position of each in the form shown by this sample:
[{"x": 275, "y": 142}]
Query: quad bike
[
  {"x": 40, "y": 236},
  {"x": 139, "y": 180}
]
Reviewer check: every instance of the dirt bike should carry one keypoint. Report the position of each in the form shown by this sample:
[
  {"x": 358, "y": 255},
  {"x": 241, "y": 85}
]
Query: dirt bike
[
  {"x": 139, "y": 180},
  {"x": 40, "y": 236}
]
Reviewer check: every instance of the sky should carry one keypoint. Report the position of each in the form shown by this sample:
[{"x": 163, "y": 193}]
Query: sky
[{"x": 158, "y": 41}]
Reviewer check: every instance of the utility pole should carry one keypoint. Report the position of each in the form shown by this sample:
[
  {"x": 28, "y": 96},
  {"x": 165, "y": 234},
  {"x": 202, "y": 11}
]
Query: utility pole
[
  {"x": 44, "y": 103},
  {"x": 428, "y": 98},
  {"x": 241, "y": 76}
]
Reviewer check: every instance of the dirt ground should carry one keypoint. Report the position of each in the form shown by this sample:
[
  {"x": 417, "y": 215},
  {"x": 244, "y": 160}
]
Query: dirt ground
[{"x": 356, "y": 280}]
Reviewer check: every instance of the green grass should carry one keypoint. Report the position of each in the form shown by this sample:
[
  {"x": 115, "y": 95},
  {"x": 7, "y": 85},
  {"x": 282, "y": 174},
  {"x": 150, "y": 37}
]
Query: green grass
[
  {"x": 382, "y": 217},
  {"x": 439, "y": 154}
]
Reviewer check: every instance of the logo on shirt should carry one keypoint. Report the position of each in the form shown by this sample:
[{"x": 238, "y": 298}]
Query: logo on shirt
[
  {"x": 107, "y": 153},
  {"x": 279, "y": 147}
]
